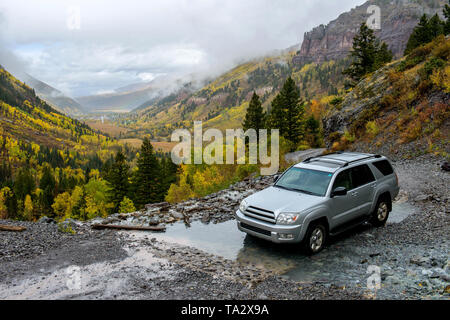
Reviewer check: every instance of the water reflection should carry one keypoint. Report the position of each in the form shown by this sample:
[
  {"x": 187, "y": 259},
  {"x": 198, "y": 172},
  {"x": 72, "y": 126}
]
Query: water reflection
[{"x": 224, "y": 239}]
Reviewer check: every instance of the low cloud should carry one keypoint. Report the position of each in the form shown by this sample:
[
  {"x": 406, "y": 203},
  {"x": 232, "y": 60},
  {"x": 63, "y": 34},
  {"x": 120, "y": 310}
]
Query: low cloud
[{"x": 123, "y": 42}]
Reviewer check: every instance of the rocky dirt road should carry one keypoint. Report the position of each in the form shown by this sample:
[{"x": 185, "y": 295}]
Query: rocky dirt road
[{"x": 410, "y": 253}]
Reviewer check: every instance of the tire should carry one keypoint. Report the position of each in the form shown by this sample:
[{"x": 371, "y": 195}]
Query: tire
[
  {"x": 315, "y": 238},
  {"x": 381, "y": 213}
]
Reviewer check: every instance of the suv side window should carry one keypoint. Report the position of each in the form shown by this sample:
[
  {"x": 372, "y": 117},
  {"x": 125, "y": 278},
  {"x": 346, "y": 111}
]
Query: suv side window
[
  {"x": 384, "y": 166},
  {"x": 362, "y": 175},
  {"x": 343, "y": 180}
]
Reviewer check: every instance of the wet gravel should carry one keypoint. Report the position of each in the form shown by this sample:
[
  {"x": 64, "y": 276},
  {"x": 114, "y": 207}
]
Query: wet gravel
[
  {"x": 44, "y": 247},
  {"x": 412, "y": 255}
]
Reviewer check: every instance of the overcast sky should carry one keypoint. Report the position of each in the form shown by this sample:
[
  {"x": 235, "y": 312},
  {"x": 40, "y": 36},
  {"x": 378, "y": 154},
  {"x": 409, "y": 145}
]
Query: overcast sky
[{"x": 117, "y": 43}]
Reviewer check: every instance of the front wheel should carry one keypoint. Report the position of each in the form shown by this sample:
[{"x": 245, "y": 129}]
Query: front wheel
[
  {"x": 381, "y": 213},
  {"x": 315, "y": 239}
]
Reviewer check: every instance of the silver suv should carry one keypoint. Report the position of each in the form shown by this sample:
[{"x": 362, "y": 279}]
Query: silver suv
[{"x": 321, "y": 196}]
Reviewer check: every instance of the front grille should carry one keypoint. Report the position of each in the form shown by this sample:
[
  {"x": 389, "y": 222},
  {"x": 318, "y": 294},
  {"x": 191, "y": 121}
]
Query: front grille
[
  {"x": 256, "y": 229},
  {"x": 260, "y": 214}
]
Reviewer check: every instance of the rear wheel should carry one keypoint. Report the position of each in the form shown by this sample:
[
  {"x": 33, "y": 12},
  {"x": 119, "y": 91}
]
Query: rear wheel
[
  {"x": 315, "y": 239},
  {"x": 381, "y": 212}
]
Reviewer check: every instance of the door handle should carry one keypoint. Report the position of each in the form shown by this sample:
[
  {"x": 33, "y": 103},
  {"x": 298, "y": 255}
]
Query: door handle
[{"x": 354, "y": 194}]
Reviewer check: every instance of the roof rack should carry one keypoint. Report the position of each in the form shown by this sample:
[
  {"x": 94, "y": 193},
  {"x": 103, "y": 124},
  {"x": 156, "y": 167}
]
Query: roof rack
[
  {"x": 376, "y": 156},
  {"x": 345, "y": 163},
  {"x": 312, "y": 158}
]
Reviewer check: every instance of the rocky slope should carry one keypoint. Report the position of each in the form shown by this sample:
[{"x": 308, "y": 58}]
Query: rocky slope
[
  {"x": 401, "y": 110},
  {"x": 334, "y": 41}
]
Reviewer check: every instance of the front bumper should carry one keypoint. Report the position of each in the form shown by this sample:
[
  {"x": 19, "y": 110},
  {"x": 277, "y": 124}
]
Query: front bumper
[{"x": 267, "y": 231}]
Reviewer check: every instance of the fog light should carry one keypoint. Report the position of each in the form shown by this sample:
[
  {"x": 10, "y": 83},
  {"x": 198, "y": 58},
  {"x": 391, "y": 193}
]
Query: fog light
[{"x": 285, "y": 236}]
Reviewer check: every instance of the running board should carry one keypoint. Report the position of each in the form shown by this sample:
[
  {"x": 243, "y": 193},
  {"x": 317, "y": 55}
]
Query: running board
[{"x": 349, "y": 225}]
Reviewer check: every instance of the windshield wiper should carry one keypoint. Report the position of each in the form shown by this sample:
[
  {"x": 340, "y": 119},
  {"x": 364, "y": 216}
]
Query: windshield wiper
[
  {"x": 285, "y": 188},
  {"x": 306, "y": 191},
  {"x": 298, "y": 190}
]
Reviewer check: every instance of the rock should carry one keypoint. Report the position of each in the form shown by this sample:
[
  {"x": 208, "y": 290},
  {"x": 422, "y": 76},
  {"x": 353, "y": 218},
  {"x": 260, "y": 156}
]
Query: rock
[
  {"x": 262, "y": 296},
  {"x": 422, "y": 198},
  {"x": 162, "y": 206},
  {"x": 392, "y": 280},
  {"x": 46, "y": 219},
  {"x": 154, "y": 221},
  {"x": 176, "y": 214},
  {"x": 420, "y": 261},
  {"x": 206, "y": 217},
  {"x": 445, "y": 277}
]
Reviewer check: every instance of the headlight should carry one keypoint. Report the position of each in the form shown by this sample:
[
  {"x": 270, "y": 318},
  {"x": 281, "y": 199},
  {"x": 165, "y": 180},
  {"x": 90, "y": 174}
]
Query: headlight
[
  {"x": 243, "y": 206},
  {"x": 287, "y": 218}
]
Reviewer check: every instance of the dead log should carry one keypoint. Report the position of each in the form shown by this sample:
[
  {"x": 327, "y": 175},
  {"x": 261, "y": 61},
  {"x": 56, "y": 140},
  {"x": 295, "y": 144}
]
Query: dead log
[
  {"x": 135, "y": 228},
  {"x": 12, "y": 228}
]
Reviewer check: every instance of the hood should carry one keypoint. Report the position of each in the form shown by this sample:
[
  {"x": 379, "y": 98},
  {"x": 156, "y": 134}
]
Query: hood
[{"x": 280, "y": 200}]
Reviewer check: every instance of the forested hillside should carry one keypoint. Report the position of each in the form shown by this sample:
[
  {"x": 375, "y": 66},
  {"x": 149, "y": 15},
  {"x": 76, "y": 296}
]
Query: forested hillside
[
  {"x": 52, "y": 165},
  {"x": 222, "y": 103}
]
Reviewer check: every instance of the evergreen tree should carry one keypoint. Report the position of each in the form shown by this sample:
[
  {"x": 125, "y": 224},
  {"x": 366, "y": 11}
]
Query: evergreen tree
[
  {"x": 148, "y": 177},
  {"x": 276, "y": 119},
  {"x": 118, "y": 180},
  {"x": 255, "y": 117},
  {"x": 24, "y": 184},
  {"x": 383, "y": 56},
  {"x": 368, "y": 54},
  {"x": 287, "y": 112},
  {"x": 419, "y": 36},
  {"x": 363, "y": 54},
  {"x": 425, "y": 31},
  {"x": 447, "y": 16},
  {"x": 435, "y": 27},
  {"x": 313, "y": 131},
  {"x": 169, "y": 173},
  {"x": 48, "y": 185},
  {"x": 294, "y": 111},
  {"x": 5, "y": 174}
]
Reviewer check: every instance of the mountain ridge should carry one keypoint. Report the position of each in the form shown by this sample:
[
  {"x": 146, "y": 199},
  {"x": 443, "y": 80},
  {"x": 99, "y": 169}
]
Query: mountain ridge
[
  {"x": 334, "y": 40},
  {"x": 56, "y": 98}
]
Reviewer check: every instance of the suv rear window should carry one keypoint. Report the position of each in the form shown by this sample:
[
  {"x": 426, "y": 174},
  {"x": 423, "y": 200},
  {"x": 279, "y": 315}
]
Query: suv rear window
[
  {"x": 362, "y": 175},
  {"x": 384, "y": 166}
]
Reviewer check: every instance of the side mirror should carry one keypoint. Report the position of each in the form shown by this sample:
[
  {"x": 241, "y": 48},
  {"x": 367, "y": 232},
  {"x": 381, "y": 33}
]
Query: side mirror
[
  {"x": 339, "y": 192},
  {"x": 275, "y": 178}
]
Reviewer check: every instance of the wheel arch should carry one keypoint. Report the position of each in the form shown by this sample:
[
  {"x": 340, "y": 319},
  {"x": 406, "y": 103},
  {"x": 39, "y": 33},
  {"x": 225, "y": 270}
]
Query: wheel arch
[{"x": 386, "y": 195}]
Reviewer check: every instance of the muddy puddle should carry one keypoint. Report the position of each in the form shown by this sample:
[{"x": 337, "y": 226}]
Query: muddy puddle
[{"x": 225, "y": 240}]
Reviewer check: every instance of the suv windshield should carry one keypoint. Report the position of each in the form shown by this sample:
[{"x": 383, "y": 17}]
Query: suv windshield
[{"x": 305, "y": 180}]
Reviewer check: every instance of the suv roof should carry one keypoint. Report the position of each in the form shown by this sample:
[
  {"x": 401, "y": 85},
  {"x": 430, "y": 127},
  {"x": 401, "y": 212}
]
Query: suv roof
[{"x": 334, "y": 161}]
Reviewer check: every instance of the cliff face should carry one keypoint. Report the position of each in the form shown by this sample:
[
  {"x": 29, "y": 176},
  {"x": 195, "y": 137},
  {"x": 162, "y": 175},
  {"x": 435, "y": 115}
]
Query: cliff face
[{"x": 334, "y": 41}]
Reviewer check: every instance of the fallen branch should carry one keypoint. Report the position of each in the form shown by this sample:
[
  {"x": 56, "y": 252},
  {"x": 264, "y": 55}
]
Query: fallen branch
[
  {"x": 12, "y": 228},
  {"x": 136, "y": 228}
]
